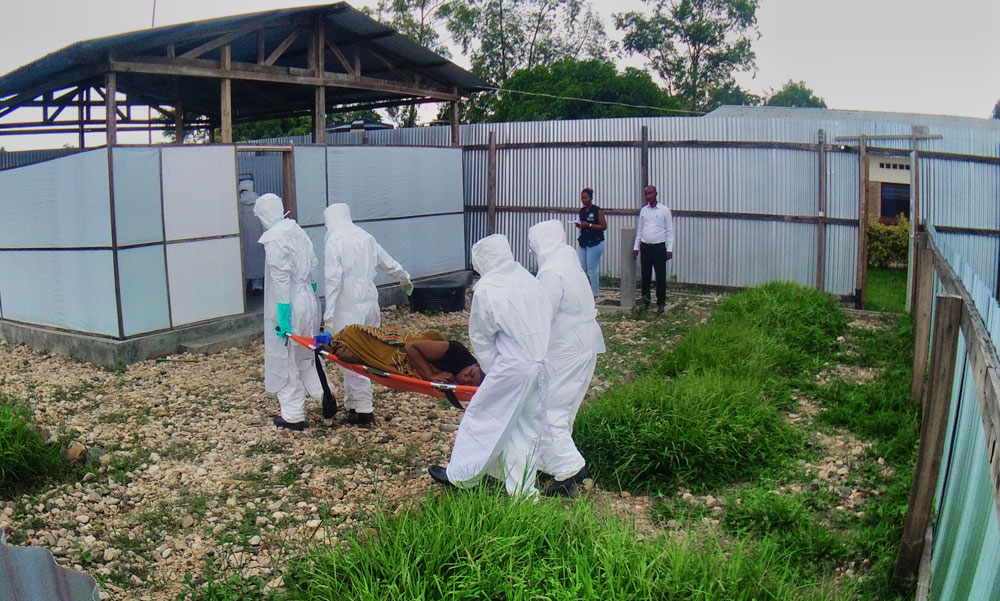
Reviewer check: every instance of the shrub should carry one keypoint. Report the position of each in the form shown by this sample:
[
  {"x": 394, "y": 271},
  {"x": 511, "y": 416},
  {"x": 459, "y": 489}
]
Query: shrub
[
  {"x": 477, "y": 544},
  {"x": 24, "y": 456},
  {"x": 888, "y": 244}
]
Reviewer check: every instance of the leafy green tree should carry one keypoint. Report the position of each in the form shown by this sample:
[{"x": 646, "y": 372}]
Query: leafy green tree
[
  {"x": 502, "y": 37},
  {"x": 594, "y": 80},
  {"x": 694, "y": 45},
  {"x": 270, "y": 128},
  {"x": 795, "y": 94},
  {"x": 418, "y": 20},
  {"x": 996, "y": 110}
]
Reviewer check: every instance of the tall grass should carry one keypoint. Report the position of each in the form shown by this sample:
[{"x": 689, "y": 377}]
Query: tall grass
[
  {"x": 709, "y": 413},
  {"x": 24, "y": 456},
  {"x": 478, "y": 545}
]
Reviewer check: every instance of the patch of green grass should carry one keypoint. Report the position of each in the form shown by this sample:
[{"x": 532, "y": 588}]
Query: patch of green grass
[
  {"x": 484, "y": 545},
  {"x": 709, "y": 413},
  {"x": 181, "y": 449},
  {"x": 886, "y": 290},
  {"x": 215, "y": 585},
  {"x": 25, "y": 458}
]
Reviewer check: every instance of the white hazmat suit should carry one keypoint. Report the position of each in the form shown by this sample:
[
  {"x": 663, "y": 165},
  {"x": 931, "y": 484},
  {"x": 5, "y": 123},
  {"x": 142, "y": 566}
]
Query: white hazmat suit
[
  {"x": 573, "y": 347},
  {"x": 290, "y": 305},
  {"x": 250, "y": 232},
  {"x": 353, "y": 257},
  {"x": 509, "y": 327}
]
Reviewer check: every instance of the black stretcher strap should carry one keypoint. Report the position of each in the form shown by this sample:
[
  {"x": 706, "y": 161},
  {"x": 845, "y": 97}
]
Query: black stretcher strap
[{"x": 329, "y": 401}]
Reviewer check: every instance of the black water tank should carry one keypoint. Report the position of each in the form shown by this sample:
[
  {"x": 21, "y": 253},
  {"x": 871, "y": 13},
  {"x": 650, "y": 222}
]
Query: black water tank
[{"x": 446, "y": 294}]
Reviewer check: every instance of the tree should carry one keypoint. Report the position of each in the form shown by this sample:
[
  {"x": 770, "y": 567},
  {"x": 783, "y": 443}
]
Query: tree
[
  {"x": 996, "y": 110},
  {"x": 694, "y": 45},
  {"x": 418, "y": 20},
  {"x": 504, "y": 36},
  {"x": 593, "y": 79},
  {"x": 271, "y": 128},
  {"x": 795, "y": 94}
]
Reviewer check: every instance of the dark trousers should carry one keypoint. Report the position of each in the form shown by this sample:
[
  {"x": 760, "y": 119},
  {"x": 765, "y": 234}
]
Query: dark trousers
[{"x": 654, "y": 256}]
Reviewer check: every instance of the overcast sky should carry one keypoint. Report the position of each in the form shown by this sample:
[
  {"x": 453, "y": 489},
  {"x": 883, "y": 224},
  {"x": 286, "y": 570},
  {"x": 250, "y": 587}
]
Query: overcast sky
[{"x": 914, "y": 56}]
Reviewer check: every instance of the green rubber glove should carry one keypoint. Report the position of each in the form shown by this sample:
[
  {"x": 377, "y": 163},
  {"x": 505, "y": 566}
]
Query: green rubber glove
[
  {"x": 314, "y": 286},
  {"x": 284, "y": 320}
]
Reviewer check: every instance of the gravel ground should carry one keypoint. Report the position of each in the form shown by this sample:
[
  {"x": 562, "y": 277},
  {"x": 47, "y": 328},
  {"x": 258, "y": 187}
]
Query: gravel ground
[{"x": 186, "y": 466}]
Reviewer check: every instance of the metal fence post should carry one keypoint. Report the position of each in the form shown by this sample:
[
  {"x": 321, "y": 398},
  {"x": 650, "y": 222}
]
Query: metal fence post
[
  {"x": 627, "y": 268},
  {"x": 947, "y": 323}
]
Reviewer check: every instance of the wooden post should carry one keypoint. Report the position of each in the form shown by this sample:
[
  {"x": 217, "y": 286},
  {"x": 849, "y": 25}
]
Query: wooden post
[
  {"x": 317, "y": 63},
  {"x": 627, "y": 268},
  {"x": 644, "y": 158},
  {"x": 491, "y": 186},
  {"x": 947, "y": 322},
  {"x": 455, "y": 140},
  {"x": 861, "y": 281},
  {"x": 288, "y": 178},
  {"x": 821, "y": 213},
  {"x": 226, "y": 93},
  {"x": 110, "y": 108},
  {"x": 911, "y": 284},
  {"x": 83, "y": 117},
  {"x": 922, "y": 301},
  {"x": 178, "y": 122}
]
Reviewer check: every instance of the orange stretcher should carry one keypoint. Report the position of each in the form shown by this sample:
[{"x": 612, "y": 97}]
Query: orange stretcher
[{"x": 455, "y": 393}]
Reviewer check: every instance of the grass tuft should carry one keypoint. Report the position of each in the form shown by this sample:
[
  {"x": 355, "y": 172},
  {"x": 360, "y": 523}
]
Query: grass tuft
[{"x": 25, "y": 457}]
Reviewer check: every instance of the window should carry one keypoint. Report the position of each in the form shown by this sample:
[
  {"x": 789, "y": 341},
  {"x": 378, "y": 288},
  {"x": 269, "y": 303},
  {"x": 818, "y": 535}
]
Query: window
[{"x": 895, "y": 202}]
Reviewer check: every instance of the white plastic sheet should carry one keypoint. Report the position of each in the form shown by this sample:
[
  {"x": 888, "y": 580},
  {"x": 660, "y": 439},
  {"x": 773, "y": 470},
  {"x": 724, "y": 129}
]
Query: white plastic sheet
[
  {"x": 206, "y": 280},
  {"x": 64, "y": 202},
  {"x": 310, "y": 184},
  {"x": 143, "y": 280},
  {"x": 423, "y": 245},
  {"x": 380, "y": 182},
  {"x": 199, "y": 192},
  {"x": 136, "y": 181},
  {"x": 66, "y": 289}
]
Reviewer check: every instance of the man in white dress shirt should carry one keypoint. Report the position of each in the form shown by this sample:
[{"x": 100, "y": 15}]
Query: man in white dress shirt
[{"x": 654, "y": 241}]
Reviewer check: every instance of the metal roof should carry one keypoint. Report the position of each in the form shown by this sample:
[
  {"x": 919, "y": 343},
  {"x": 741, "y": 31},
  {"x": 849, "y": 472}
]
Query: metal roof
[
  {"x": 379, "y": 51},
  {"x": 819, "y": 114}
]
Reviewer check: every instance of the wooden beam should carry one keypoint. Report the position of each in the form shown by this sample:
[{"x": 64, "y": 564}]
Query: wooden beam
[
  {"x": 888, "y": 137},
  {"x": 226, "y": 90},
  {"x": 110, "y": 107},
  {"x": 179, "y": 132},
  {"x": 288, "y": 41},
  {"x": 252, "y": 72},
  {"x": 644, "y": 158},
  {"x": 69, "y": 78},
  {"x": 455, "y": 132},
  {"x": 821, "y": 212},
  {"x": 261, "y": 57},
  {"x": 922, "y": 306},
  {"x": 317, "y": 61},
  {"x": 222, "y": 40},
  {"x": 491, "y": 185},
  {"x": 339, "y": 55},
  {"x": 862, "y": 254},
  {"x": 947, "y": 322}
]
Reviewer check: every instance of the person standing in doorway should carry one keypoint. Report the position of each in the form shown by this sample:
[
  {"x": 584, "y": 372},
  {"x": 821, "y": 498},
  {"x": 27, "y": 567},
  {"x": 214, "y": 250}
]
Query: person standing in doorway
[
  {"x": 654, "y": 241},
  {"x": 591, "y": 239},
  {"x": 251, "y": 231}
]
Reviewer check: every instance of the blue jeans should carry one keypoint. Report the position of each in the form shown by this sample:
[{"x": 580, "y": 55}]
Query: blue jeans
[{"x": 590, "y": 258}]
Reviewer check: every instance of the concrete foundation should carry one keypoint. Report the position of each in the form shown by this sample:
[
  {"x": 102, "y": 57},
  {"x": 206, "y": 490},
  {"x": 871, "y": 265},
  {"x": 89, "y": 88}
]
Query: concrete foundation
[{"x": 206, "y": 337}]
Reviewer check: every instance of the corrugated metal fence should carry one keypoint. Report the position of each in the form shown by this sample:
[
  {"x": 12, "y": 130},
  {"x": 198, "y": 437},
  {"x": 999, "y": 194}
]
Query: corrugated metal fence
[
  {"x": 966, "y": 531},
  {"x": 20, "y": 158}
]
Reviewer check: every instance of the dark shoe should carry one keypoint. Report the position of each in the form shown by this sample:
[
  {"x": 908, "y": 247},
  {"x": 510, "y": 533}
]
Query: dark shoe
[
  {"x": 439, "y": 475},
  {"x": 360, "y": 419},
  {"x": 659, "y": 308},
  {"x": 562, "y": 488},
  {"x": 297, "y": 426},
  {"x": 580, "y": 476}
]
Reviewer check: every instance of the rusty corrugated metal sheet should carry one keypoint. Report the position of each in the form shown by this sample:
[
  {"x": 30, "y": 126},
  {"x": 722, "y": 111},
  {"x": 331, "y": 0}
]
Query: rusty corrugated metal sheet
[{"x": 32, "y": 574}]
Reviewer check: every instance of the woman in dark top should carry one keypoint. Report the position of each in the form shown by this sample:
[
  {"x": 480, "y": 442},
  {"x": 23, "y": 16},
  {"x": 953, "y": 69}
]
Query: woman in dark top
[
  {"x": 591, "y": 240},
  {"x": 427, "y": 355}
]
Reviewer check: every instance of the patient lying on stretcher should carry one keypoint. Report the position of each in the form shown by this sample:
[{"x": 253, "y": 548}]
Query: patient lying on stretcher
[{"x": 428, "y": 355}]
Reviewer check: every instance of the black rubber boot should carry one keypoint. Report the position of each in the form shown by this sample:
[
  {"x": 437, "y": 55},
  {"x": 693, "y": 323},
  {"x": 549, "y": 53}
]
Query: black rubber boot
[
  {"x": 439, "y": 475},
  {"x": 360, "y": 419},
  {"x": 297, "y": 426}
]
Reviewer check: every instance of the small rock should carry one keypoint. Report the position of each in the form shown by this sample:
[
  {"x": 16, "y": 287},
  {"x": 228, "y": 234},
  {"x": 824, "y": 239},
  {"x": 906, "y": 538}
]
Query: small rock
[
  {"x": 313, "y": 523},
  {"x": 219, "y": 528},
  {"x": 674, "y": 525},
  {"x": 187, "y": 521},
  {"x": 83, "y": 519},
  {"x": 111, "y": 554},
  {"x": 629, "y": 375},
  {"x": 95, "y": 454},
  {"x": 254, "y": 541},
  {"x": 432, "y": 415},
  {"x": 154, "y": 457},
  {"x": 166, "y": 553},
  {"x": 75, "y": 451}
]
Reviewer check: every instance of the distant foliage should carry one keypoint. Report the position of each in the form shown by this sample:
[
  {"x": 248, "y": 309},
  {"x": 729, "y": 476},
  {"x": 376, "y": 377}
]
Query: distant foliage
[
  {"x": 594, "y": 80},
  {"x": 888, "y": 244},
  {"x": 796, "y": 94}
]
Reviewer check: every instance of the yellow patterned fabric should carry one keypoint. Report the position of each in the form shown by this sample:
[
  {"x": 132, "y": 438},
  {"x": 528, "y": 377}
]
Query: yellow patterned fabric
[{"x": 381, "y": 348}]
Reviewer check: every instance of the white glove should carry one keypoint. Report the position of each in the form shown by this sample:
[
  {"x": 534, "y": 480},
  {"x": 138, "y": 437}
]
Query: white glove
[{"x": 407, "y": 286}]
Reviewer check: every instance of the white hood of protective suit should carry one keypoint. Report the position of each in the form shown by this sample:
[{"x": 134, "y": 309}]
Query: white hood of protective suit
[
  {"x": 490, "y": 255},
  {"x": 574, "y": 317},
  {"x": 269, "y": 210},
  {"x": 353, "y": 259}
]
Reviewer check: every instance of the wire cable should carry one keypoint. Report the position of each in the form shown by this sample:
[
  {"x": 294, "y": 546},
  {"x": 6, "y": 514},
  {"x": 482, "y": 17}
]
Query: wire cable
[{"x": 592, "y": 101}]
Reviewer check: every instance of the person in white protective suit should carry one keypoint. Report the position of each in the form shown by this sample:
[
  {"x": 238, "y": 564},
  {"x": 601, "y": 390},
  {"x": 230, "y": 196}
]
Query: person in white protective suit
[
  {"x": 290, "y": 307},
  {"x": 353, "y": 257},
  {"x": 250, "y": 232},
  {"x": 509, "y": 327},
  {"x": 573, "y": 348}
]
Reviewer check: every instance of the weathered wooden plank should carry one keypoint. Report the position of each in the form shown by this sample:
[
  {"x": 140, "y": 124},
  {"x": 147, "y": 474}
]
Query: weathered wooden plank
[
  {"x": 491, "y": 186},
  {"x": 922, "y": 300}
]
